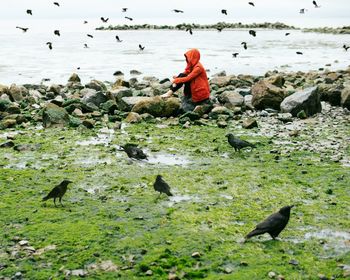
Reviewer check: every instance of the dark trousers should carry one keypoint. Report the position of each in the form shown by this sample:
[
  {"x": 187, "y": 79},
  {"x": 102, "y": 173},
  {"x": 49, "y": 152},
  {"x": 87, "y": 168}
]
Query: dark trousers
[{"x": 186, "y": 100}]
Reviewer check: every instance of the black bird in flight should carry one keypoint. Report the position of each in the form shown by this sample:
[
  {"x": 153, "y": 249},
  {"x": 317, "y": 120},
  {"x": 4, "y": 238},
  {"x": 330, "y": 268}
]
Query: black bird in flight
[
  {"x": 224, "y": 12},
  {"x": 244, "y": 45},
  {"x": 178, "y": 11},
  {"x": 189, "y": 29},
  {"x": 129, "y": 18},
  {"x": 251, "y": 4},
  {"x": 237, "y": 143},
  {"x": 302, "y": 11},
  {"x": 118, "y": 39},
  {"x": 58, "y": 191},
  {"x": 57, "y": 32},
  {"x": 24, "y": 29},
  {"x": 85, "y": 21},
  {"x": 29, "y": 12},
  {"x": 346, "y": 47},
  {"x": 141, "y": 48},
  {"x": 89, "y": 35},
  {"x": 124, "y": 10},
  {"x": 49, "y": 45},
  {"x": 273, "y": 224},
  {"x": 86, "y": 46},
  {"x": 56, "y": 3},
  {"x": 235, "y": 54},
  {"x": 161, "y": 186},
  {"x": 299, "y": 53},
  {"x": 104, "y": 19},
  {"x": 219, "y": 28},
  {"x": 133, "y": 151},
  {"x": 287, "y": 34},
  {"x": 315, "y": 4},
  {"x": 252, "y": 32}
]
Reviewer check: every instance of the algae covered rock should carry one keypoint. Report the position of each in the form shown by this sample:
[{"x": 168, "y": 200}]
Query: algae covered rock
[
  {"x": 54, "y": 115},
  {"x": 157, "y": 107}
]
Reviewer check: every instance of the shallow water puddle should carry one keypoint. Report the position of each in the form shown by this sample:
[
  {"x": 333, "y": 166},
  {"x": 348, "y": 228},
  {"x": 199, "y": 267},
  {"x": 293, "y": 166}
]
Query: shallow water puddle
[
  {"x": 104, "y": 137},
  {"x": 182, "y": 198},
  {"x": 337, "y": 241},
  {"x": 168, "y": 159}
]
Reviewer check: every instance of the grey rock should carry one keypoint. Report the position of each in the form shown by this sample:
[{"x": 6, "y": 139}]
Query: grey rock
[
  {"x": 249, "y": 123},
  {"x": 126, "y": 103},
  {"x": 93, "y": 96},
  {"x": 266, "y": 95},
  {"x": 74, "y": 78},
  {"x": 157, "y": 106},
  {"x": 231, "y": 99},
  {"x": 307, "y": 100},
  {"x": 17, "y": 93},
  {"x": 96, "y": 85}
]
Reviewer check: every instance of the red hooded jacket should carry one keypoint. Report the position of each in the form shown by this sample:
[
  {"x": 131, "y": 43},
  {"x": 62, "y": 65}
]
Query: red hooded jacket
[{"x": 196, "y": 75}]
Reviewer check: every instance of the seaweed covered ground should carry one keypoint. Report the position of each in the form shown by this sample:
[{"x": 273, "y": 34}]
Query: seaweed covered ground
[{"x": 113, "y": 226}]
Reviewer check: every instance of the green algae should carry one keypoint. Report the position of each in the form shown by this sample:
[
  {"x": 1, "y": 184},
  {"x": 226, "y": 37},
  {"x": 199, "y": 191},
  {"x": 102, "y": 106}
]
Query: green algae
[{"x": 122, "y": 220}]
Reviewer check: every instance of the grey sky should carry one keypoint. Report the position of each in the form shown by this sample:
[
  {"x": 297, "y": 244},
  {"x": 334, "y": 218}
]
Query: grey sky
[{"x": 195, "y": 10}]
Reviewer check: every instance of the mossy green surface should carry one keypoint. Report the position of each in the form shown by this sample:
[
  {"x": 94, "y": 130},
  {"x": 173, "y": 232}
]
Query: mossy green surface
[{"x": 111, "y": 211}]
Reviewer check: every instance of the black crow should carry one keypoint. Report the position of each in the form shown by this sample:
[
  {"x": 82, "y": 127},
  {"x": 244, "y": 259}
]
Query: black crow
[
  {"x": 345, "y": 47},
  {"x": 141, "y": 48},
  {"x": 86, "y": 46},
  {"x": 235, "y": 54},
  {"x": 219, "y": 28},
  {"x": 133, "y": 151},
  {"x": 58, "y": 191},
  {"x": 315, "y": 4},
  {"x": 85, "y": 21},
  {"x": 29, "y": 12},
  {"x": 252, "y": 32},
  {"x": 178, "y": 11},
  {"x": 189, "y": 29},
  {"x": 251, "y": 4},
  {"x": 24, "y": 29},
  {"x": 104, "y": 19},
  {"x": 299, "y": 53},
  {"x": 237, "y": 143},
  {"x": 161, "y": 186},
  {"x": 129, "y": 18},
  {"x": 124, "y": 10},
  {"x": 224, "y": 12},
  {"x": 244, "y": 45},
  {"x": 302, "y": 11},
  {"x": 89, "y": 35},
  {"x": 56, "y": 3},
  {"x": 49, "y": 45},
  {"x": 57, "y": 32},
  {"x": 287, "y": 34},
  {"x": 273, "y": 224},
  {"x": 117, "y": 38}
]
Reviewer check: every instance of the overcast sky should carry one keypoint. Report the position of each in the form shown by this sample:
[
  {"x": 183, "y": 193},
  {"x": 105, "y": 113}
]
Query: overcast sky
[{"x": 201, "y": 11}]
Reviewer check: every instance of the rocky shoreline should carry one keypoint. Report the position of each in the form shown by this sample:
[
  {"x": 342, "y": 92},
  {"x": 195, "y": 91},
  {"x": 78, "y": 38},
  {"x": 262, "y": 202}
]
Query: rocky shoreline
[
  {"x": 227, "y": 25},
  {"x": 286, "y": 95}
]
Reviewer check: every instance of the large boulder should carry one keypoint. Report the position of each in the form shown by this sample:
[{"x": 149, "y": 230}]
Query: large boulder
[
  {"x": 266, "y": 95},
  {"x": 330, "y": 93},
  {"x": 93, "y": 96},
  {"x": 307, "y": 100},
  {"x": 231, "y": 99},
  {"x": 17, "y": 93},
  {"x": 121, "y": 92},
  {"x": 74, "y": 78},
  {"x": 55, "y": 116},
  {"x": 345, "y": 97},
  {"x": 126, "y": 103},
  {"x": 157, "y": 106},
  {"x": 96, "y": 85}
]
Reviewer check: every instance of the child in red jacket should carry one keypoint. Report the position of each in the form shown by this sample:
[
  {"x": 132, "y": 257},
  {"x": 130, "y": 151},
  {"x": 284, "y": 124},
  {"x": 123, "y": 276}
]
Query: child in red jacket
[{"x": 196, "y": 91}]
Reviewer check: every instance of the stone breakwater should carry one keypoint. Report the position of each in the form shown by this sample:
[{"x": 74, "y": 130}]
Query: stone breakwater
[
  {"x": 184, "y": 26},
  {"x": 285, "y": 95}
]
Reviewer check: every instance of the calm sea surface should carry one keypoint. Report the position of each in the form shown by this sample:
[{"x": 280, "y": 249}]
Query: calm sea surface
[{"x": 25, "y": 57}]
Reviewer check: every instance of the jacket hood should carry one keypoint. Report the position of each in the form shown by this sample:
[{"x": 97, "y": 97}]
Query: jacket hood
[{"x": 192, "y": 57}]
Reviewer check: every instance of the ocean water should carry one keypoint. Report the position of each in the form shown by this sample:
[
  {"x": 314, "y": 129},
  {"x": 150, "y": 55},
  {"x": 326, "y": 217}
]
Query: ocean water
[{"x": 25, "y": 57}]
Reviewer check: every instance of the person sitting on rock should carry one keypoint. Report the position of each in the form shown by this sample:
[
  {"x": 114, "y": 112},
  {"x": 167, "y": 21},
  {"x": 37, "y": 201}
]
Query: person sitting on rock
[{"x": 195, "y": 81}]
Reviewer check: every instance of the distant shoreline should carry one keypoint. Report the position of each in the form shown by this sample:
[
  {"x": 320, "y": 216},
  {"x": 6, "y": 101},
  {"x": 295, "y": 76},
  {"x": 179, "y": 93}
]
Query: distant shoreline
[{"x": 224, "y": 25}]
